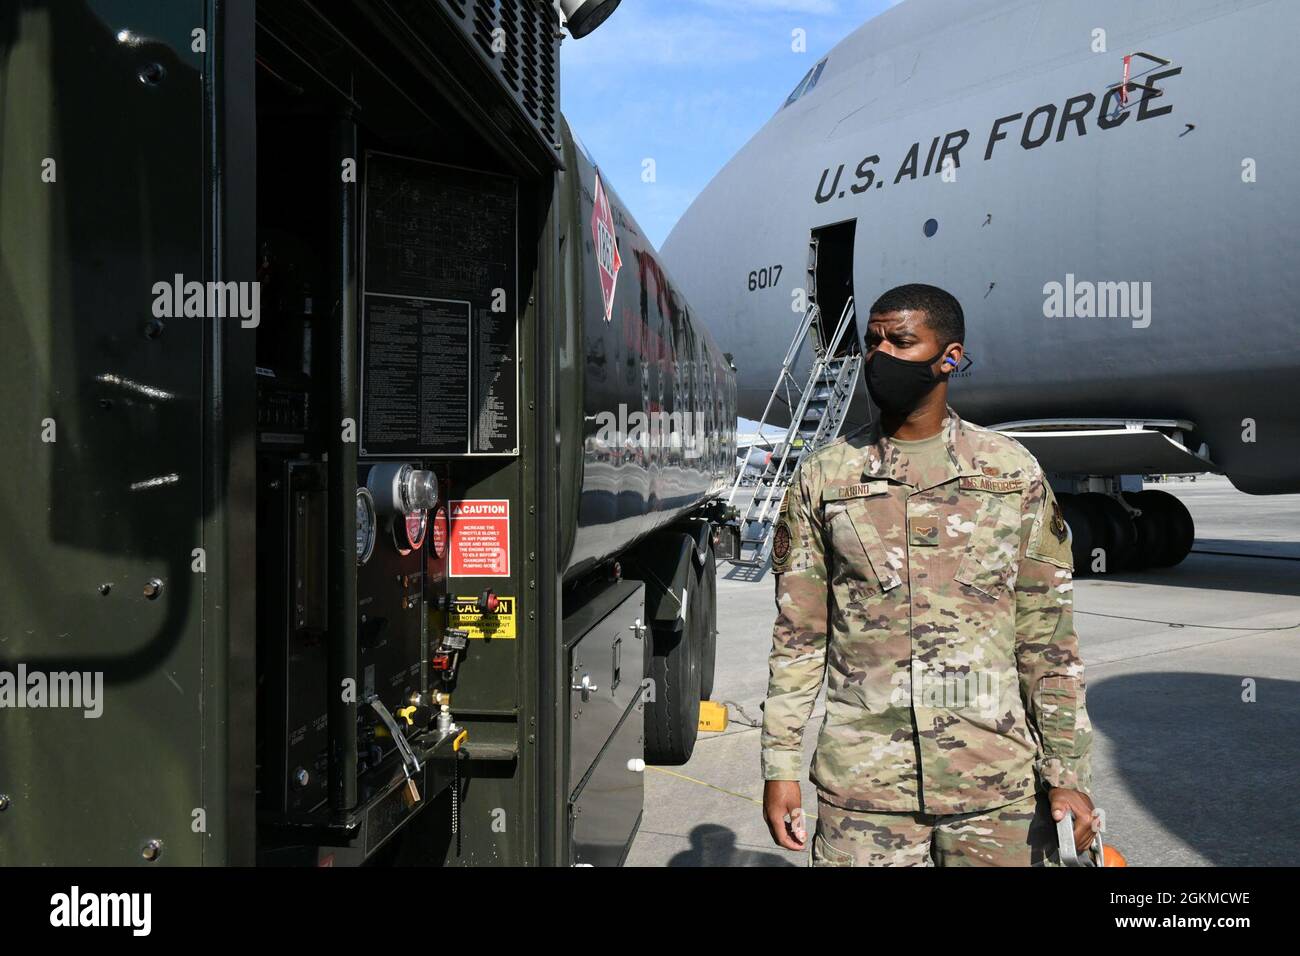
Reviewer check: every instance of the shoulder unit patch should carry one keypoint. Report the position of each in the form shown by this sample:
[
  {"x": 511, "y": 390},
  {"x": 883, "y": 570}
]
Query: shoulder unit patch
[
  {"x": 1058, "y": 523},
  {"x": 780, "y": 546}
]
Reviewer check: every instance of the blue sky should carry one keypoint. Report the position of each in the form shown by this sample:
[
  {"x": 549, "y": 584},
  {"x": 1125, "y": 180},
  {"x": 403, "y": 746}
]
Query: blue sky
[{"x": 687, "y": 83}]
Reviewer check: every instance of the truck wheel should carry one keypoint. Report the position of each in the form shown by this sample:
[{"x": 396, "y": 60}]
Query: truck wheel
[
  {"x": 708, "y": 616},
  {"x": 672, "y": 717}
]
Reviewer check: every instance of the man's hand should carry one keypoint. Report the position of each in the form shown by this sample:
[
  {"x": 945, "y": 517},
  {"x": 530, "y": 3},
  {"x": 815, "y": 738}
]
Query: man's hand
[
  {"x": 1087, "y": 820},
  {"x": 782, "y": 798}
]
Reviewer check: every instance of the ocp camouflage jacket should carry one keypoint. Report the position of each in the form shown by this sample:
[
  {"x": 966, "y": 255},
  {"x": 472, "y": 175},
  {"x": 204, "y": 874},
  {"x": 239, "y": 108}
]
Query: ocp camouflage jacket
[{"x": 941, "y": 617}]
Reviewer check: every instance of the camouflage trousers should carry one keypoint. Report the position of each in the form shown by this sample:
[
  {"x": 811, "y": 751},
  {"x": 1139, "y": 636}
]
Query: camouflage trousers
[{"x": 1019, "y": 834}]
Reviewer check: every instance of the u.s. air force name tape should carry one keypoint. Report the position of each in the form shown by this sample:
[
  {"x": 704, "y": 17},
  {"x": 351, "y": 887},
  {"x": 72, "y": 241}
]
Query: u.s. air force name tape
[{"x": 1000, "y": 486}]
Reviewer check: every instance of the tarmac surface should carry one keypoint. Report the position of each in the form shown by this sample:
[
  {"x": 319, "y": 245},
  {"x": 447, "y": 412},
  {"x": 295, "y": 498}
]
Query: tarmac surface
[{"x": 1188, "y": 771}]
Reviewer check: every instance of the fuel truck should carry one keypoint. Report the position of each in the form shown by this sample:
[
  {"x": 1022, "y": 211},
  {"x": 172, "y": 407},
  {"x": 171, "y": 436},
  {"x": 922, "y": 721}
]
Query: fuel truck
[{"x": 363, "y": 458}]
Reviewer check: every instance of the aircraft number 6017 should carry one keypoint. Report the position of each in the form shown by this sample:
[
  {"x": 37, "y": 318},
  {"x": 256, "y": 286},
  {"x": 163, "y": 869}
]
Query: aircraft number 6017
[{"x": 764, "y": 278}]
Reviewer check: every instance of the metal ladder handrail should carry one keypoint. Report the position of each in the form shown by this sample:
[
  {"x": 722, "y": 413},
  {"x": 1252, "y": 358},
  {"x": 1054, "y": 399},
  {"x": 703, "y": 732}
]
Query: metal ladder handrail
[
  {"x": 819, "y": 366},
  {"x": 841, "y": 384},
  {"x": 791, "y": 355}
]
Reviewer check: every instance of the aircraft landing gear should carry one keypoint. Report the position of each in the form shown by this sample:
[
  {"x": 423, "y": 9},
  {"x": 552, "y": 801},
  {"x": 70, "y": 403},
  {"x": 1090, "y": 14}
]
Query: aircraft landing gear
[
  {"x": 1107, "y": 537},
  {"x": 1178, "y": 529},
  {"x": 1080, "y": 533}
]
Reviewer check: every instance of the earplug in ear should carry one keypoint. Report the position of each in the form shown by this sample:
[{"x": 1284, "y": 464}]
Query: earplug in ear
[{"x": 950, "y": 361}]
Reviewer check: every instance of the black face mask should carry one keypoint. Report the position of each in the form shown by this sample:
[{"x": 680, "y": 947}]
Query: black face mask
[{"x": 897, "y": 385}]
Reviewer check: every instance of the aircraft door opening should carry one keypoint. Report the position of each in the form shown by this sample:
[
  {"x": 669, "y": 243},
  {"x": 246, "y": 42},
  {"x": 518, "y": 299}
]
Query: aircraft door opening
[{"x": 830, "y": 282}]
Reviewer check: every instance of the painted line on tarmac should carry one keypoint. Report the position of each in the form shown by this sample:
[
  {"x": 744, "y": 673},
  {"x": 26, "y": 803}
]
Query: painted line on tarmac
[{"x": 714, "y": 786}]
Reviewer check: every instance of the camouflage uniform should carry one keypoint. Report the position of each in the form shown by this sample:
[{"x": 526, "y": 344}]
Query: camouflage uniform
[
  {"x": 939, "y": 608},
  {"x": 1019, "y": 834}
]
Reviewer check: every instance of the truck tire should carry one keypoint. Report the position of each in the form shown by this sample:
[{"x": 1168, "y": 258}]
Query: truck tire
[
  {"x": 672, "y": 715},
  {"x": 708, "y": 608}
]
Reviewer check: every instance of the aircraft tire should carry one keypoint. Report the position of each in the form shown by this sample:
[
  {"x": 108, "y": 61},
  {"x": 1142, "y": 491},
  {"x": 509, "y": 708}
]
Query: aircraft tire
[
  {"x": 1180, "y": 529},
  {"x": 672, "y": 717},
  {"x": 1113, "y": 531},
  {"x": 1152, "y": 531},
  {"x": 1080, "y": 533}
]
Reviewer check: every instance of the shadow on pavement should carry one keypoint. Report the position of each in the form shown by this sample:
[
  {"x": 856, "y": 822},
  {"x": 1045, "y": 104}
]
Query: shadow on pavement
[
  {"x": 1253, "y": 574},
  {"x": 715, "y": 845},
  {"x": 1214, "y": 770}
]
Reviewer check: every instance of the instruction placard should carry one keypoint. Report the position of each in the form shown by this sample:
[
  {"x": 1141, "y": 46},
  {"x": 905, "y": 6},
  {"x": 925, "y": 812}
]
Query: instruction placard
[
  {"x": 499, "y": 625},
  {"x": 480, "y": 538},
  {"x": 441, "y": 343}
]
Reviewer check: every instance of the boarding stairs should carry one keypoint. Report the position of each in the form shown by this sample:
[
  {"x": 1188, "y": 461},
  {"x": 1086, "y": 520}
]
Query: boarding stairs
[{"x": 818, "y": 407}]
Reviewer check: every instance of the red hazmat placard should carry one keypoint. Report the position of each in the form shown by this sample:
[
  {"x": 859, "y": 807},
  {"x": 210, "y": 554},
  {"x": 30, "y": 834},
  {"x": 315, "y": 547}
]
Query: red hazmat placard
[
  {"x": 608, "y": 260},
  {"x": 480, "y": 539}
]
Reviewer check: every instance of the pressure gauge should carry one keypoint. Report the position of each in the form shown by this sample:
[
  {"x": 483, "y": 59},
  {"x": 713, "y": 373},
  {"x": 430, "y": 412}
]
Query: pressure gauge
[
  {"x": 409, "y": 531},
  {"x": 366, "y": 527},
  {"x": 402, "y": 489},
  {"x": 420, "y": 490},
  {"x": 438, "y": 535}
]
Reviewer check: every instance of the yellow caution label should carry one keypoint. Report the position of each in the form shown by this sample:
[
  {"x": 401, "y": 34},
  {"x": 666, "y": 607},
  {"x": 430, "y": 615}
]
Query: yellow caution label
[{"x": 497, "y": 625}]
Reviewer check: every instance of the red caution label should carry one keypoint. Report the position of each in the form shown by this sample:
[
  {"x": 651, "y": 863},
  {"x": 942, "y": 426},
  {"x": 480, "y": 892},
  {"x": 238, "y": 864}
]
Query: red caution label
[{"x": 480, "y": 539}]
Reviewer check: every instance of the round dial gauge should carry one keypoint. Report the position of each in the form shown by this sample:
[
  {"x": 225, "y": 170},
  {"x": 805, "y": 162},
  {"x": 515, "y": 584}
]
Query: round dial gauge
[
  {"x": 365, "y": 525},
  {"x": 438, "y": 537},
  {"x": 409, "y": 531}
]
